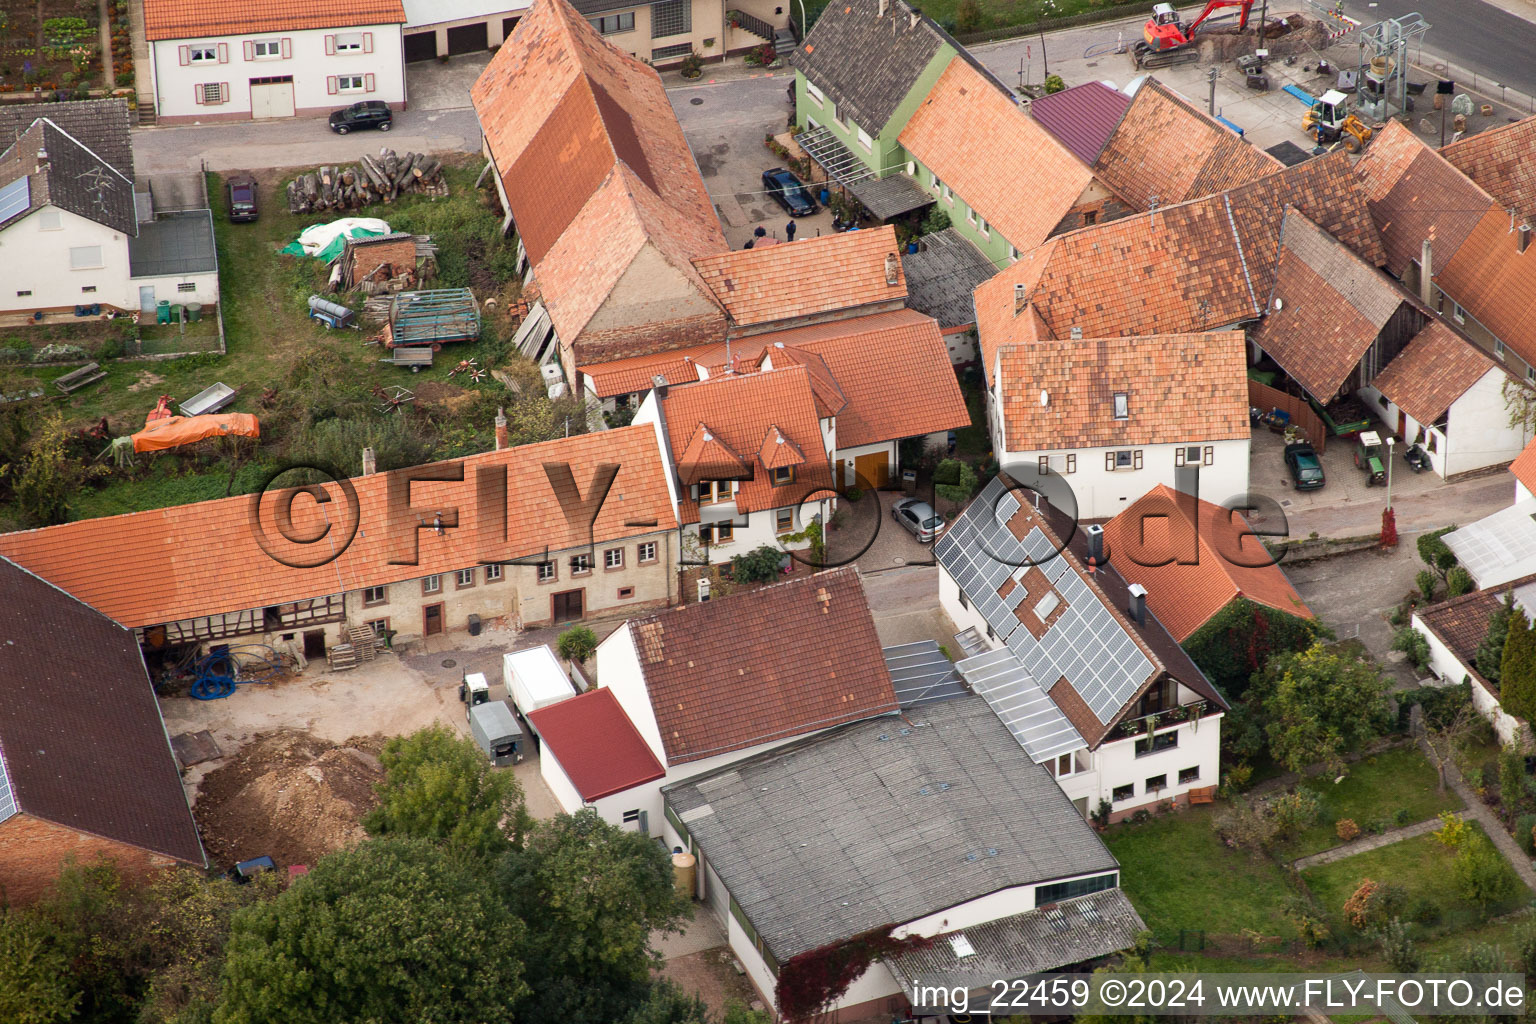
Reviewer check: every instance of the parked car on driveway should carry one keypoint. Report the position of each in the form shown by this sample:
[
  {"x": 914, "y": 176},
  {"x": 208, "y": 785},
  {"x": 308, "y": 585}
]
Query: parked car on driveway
[
  {"x": 1306, "y": 468},
  {"x": 367, "y": 114},
  {"x": 788, "y": 192},
  {"x": 241, "y": 190},
  {"x": 919, "y": 518}
]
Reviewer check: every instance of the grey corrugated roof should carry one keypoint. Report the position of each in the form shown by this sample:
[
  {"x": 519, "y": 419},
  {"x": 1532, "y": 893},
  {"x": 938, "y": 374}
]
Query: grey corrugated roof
[
  {"x": 922, "y": 674},
  {"x": 882, "y": 822},
  {"x": 73, "y": 177},
  {"x": 175, "y": 243},
  {"x": 867, "y": 62},
  {"x": 101, "y": 125},
  {"x": 81, "y": 738},
  {"x": 942, "y": 276},
  {"x": 1084, "y": 928}
]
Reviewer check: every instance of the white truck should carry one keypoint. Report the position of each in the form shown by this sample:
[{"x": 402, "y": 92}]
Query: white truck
[{"x": 535, "y": 679}]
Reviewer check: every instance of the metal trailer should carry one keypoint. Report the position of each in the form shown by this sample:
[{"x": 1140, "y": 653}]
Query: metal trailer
[
  {"x": 210, "y": 399},
  {"x": 496, "y": 731},
  {"x": 414, "y": 356},
  {"x": 535, "y": 679},
  {"x": 332, "y": 314},
  {"x": 436, "y": 317}
]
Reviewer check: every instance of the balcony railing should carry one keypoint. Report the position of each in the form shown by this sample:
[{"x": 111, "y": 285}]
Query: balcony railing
[{"x": 1143, "y": 724}]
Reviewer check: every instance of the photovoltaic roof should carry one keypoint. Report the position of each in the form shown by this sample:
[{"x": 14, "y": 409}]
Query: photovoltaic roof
[{"x": 1086, "y": 643}]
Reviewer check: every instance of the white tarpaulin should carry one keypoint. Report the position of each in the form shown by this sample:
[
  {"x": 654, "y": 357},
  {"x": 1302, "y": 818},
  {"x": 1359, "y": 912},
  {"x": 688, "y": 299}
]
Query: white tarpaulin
[{"x": 317, "y": 236}]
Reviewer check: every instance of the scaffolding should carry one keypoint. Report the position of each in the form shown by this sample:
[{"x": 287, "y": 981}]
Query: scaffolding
[
  {"x": 1387, "y": 64},
  {"x": 434, "y": 317}
]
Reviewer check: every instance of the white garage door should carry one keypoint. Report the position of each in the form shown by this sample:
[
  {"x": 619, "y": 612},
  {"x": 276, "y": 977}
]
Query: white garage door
[{"x": 272, "y": 99}]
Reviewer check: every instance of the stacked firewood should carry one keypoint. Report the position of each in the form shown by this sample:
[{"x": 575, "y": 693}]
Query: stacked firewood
[{"x": 373, "y": 179}]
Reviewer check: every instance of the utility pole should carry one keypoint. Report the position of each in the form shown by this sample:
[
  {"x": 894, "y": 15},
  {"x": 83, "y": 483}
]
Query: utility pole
[
  {"x": 1263, "y": 16},
  {"x": 1211, "y": 76}
]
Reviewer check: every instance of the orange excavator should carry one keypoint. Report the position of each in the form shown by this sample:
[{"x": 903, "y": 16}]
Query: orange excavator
[{"x": 1168, "y": 41}]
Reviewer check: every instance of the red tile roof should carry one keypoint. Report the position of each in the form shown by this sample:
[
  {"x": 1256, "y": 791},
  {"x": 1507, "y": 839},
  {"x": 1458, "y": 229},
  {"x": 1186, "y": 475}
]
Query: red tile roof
[
  {"x": 597, "y": 745},
  {"x": 1211, "y": 559},
  {"x": 166, "y": 565},
  {"x": 1164, "y": 147},
  {"x": 1326, "y": 308},
  {"x": 1208, "y": 263},
  {"x": 806, "y": 277},
  {"x": 637, "y": 373},
  {"x": 735, "y": 411},
  {"x": 1501, "y": 161},
  {"x": 82, "y": 743},
  {"x": 1495, "y": 282},
  {"x": 1185, "y": 388},
  {"x": 184, "y": 19},
  {"x": 781, "y": 661},
  {"x": 1432, "y": 371},
  {"x": 983, "y": 146},
  {"x": 592, "y": 160},
  {"x": 778, "y": 451},
  {"x": 1082, "y": 118},
  {"x": 1524, "y": 467}
]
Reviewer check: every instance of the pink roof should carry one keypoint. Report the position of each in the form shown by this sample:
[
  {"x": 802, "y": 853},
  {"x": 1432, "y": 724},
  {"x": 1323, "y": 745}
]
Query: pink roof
[
  {"x": 596, "y": 743},
  {"x": 1082, "y": 118}
]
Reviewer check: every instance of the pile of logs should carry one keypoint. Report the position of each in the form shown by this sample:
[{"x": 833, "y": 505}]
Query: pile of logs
[{"x": 371, "y": 180}]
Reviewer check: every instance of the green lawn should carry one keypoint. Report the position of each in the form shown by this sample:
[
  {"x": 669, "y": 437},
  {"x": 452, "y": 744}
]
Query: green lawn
[
  {"x": 1376, "y": 789},
  {"x": 1421, "y": 865},
  {"x": 1179, "y": 875}
]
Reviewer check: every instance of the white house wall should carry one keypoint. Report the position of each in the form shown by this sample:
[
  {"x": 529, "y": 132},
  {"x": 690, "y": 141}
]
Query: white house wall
[
  {"x": 37, "y": 262},
  {"x": 1449, "y": 670},
  {"x": 1477, "y": 433},
  {"x": 311, "y": 67},
  {"x": 757, "y": 969},
  {"x": 1102, "y": 494},
  {"x": 1007, "y": 902},
  {"x": 168, "y": 286},
  {"x": 618, "y": 670},
  {"x": 559, "y": 783}
]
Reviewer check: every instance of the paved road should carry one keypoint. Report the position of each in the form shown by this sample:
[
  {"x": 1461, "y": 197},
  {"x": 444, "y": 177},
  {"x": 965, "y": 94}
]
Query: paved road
[{"x": 1469, "y": 33}]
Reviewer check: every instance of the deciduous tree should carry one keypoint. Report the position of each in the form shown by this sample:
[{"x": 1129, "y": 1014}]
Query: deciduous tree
[{"x": 1321, "y": 704}]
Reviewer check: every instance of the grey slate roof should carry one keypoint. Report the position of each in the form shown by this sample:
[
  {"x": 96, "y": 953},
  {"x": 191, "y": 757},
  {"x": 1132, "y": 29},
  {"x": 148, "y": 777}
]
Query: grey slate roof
[
  {"x": 942, "y": 276},
  {"x": 867, "y": 62},
  {"x": 1084, "y": 928},
  {"x": 82, "y": 743},
  {"x": 881, "y": 822},
  {"x": 101, "y": 125},
  {"x": 74, "y": 177},
  {"x": 173, "y": 243}
]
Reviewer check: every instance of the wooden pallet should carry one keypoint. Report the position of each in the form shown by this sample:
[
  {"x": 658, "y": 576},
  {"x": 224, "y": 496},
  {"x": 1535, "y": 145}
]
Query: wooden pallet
[
  {"x": 364, "y": 641},
  {"x": 341, "y": 657}
]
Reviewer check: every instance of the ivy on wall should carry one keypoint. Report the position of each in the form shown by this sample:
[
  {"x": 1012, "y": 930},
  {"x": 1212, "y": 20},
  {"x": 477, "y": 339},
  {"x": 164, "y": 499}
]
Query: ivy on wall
[
  {"x": 811, "y": 982},
  {"x": 1240, "y": 638}
]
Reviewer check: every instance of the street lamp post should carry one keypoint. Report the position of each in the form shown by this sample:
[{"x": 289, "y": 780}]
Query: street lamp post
[
  {"x": 803, "y": 29},
  {"x": 1391, "y": 441}
]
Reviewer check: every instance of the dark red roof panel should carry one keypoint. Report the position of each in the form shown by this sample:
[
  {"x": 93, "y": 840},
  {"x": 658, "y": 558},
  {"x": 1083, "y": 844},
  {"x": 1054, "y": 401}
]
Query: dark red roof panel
[
  {"x": 596, "y": 743},
  {"x": 1082, "y": 118}
]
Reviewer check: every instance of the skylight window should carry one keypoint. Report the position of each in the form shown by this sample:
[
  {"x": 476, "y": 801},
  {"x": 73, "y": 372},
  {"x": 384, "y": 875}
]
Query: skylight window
[
  {"x": 961, "y": 945},
  {"x": 1122, "y": 406},
  {"x": 1046, "y": 605}
]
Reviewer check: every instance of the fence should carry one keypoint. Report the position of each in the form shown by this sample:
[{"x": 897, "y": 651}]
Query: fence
[{"x": 1264, "y": 397}]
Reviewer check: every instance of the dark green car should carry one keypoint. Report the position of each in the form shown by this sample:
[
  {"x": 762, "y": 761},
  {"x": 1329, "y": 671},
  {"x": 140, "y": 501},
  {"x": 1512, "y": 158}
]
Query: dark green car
[{"x": 1306, "y": 468}]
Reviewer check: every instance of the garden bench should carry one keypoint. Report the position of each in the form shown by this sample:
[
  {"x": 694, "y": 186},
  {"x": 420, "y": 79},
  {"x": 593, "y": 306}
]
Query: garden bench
[
  {"x": 1203, "y": 795},
  {"x": 90, "y": 373}
]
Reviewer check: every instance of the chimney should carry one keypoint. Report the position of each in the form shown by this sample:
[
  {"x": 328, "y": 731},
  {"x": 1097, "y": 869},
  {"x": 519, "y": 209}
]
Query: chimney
[
  {"x": 42, "y": 158},
  {"x": 501, "y": 429},
  {"x": 1427, "y": 270},
  {"x": 1095, "y": 535},
  {"x": 883, "y": 5},
  {"x": 1138, "y": 605},
  {"x": 1077, "y": 334},
  {"x": 1523, "y": 241},
  {"x": 912, "y": 20},
  {"x": 659, "y": 382},
  {"x": 1020, "y": 299},
  {"x": 892, "y": 264},
  {"x": 370, "y": 463}
]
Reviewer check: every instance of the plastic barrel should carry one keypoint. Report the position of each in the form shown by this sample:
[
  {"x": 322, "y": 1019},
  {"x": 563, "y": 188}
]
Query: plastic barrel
[
  {"x": 684, "y": 868},
  {"x": 194, "y": 311}
]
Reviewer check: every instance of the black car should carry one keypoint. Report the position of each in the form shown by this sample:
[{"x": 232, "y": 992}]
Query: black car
[
  {"x": 241, "y": 189},
  {"x": 787, "y": 191},
  {"x": 1306, "y": 468},
  {"x": 367, "y": 114}
]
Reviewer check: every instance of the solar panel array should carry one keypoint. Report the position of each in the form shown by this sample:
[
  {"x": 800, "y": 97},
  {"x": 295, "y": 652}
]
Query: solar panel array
[
  {"x": 15, "y": 198},
  {"x": 7, "y": 797},
  {"x": 1028, "y": 712},
  {"x": 1086, "y": 644}
]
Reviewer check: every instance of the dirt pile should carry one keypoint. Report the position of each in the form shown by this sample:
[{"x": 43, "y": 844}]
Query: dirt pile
[
  {"x": 1296, "y": 34},
  {"x": 289, "y": 796}
]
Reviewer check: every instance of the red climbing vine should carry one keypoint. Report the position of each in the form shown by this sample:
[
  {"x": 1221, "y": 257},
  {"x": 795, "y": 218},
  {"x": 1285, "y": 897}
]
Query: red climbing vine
[{"x": 811, "y": 982}]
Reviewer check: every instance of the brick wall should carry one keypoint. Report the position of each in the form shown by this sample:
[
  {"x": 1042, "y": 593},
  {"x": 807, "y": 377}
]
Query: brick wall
[{"x": 34, "y": 851}]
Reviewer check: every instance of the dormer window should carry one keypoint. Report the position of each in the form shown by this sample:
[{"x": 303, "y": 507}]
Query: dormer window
[
  {"x": 1122, "y": 405},
  {"x": 783, "y": 475}
]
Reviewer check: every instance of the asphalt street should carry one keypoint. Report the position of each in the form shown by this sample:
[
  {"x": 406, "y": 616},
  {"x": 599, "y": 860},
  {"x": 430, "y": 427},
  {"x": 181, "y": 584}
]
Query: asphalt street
[{"x": 1469, "y": 33}]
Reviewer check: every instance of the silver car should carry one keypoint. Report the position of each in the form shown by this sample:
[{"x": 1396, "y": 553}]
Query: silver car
[{"x": 919, "y": 518}]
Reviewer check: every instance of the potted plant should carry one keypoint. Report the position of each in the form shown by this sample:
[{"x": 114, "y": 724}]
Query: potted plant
[{"x": 691, "y": 67}]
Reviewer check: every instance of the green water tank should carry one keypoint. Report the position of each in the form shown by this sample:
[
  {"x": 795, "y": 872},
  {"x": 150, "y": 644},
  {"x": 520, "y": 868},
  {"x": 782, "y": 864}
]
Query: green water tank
[{"x": 194, "y": 312}]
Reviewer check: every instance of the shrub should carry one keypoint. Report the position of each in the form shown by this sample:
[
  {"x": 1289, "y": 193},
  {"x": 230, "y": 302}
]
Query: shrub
[
  {"x": 853, "y": 494},
  {"x": 1053, "y": 84},
  {"x": 1238, "y": 777},
  {"x": 968, "y": 16},
  {"x": 1401, "y": 817},
  {"x": 1436, "y": 554},
  {"x": 1347, "y": 830},
  {"x": 954, "y": 481},
  {"x": 937, "y": 220},
  {"x": 1101, "y": 813},
  {"x": 1424, "y": 911},
  {"x": 759, "y": 565},
  {"x": 1511, "y": 779},
  {"x": 1482, "y": 876},
  {"x": 1454, "y": 831},
  {"x": 577, "y": 643},
  {"x": 1427, "y": 581},
  {"x": 692, "y": 65},
  {"x": 1357, "y": 909},
  {"x": 1491, "y": 651},
  {"x": 1412, "y": 643},
  {"x": 1397, "y": 948},
  {"x": 1296, "y": 811},
  {"x": 1525, "y": 833},
  {"x": 1458, "y": 581}
]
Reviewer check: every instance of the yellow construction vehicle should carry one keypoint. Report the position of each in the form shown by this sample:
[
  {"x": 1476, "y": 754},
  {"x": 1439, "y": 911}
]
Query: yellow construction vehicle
[{"x": 1329, "y": 120}]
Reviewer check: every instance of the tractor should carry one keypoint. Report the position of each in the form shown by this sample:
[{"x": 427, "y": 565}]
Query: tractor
[
  {"x": 1329, "y": 120},
  {"x": 1168, "y": 41},
  {"x": 1371, "y": 456}
]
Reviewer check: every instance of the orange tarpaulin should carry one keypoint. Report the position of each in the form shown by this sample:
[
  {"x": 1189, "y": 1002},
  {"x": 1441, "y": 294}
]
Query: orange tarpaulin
[{"x": 179, "y": 430}]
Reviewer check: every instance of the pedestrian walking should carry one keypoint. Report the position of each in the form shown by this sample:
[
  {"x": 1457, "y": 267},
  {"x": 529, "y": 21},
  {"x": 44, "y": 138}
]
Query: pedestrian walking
[{"x": 789, "y": 232}]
